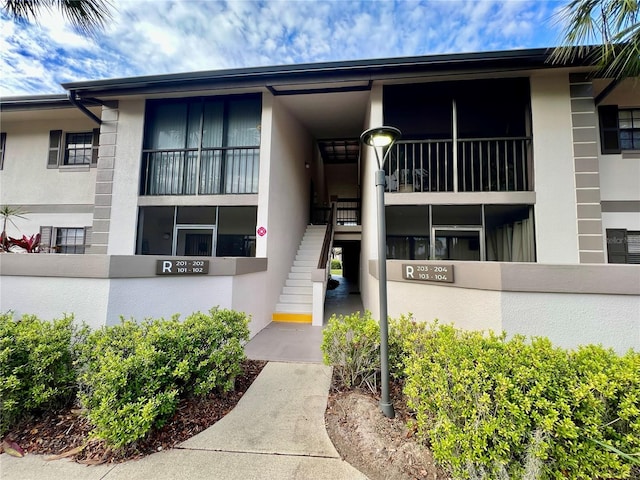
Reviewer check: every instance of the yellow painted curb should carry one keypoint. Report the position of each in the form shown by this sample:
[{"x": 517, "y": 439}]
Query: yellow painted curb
[{"x": 291, "y": 317}]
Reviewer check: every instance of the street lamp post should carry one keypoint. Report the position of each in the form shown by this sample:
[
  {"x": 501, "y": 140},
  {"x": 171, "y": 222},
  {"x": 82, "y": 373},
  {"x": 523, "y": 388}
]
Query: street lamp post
[{"x": 381, "y": 137}]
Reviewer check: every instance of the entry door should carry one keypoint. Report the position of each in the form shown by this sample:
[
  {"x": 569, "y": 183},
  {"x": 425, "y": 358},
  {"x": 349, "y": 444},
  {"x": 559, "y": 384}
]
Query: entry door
[
  {"x": 457, "y": 244},
  {"x": 194, "y": 240}
]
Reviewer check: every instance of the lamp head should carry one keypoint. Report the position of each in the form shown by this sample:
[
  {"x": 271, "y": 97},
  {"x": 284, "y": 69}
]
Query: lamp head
[{"x": 380, "y": 136}]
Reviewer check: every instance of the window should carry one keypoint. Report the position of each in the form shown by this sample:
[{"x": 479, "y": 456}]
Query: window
[
  {"x": 225, "y": 231},
  {"x": 73, "y": 148},
  {"x": 64, "y": 239},
  {"x": 203, "y": 146},
  {"x": 623, "y": 246},
  {"x": 3, "y": 141},
  {"x": 619, "y": 128}
]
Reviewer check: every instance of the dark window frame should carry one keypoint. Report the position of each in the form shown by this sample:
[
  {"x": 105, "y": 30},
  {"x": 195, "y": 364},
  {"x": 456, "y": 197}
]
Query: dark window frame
[
  {"x": 59, "y": 148},
  {"x": 618, "y": 246},
  {"x": 610, "y": 130}
]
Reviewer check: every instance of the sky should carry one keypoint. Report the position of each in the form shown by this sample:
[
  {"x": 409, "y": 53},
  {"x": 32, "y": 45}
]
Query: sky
[{"x": 150, "y": 37}]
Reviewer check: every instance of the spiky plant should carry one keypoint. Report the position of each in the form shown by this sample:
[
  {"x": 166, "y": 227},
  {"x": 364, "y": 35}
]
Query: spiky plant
[{"x": 605, "y": 32}]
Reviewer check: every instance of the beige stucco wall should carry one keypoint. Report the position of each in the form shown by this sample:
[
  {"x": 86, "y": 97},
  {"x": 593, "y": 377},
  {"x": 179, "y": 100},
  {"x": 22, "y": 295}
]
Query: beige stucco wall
[
  {"x": 25, "y": 178},
  {"x": 555, "y": 210}
]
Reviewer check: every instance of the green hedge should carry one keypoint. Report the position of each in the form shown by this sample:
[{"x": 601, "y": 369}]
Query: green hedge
[
  {"x": 135, "y": 373},
  {"x": 36, "y": 365},
  {"x": 491, "y": 406},
  {"x": 336, "y": 264}
]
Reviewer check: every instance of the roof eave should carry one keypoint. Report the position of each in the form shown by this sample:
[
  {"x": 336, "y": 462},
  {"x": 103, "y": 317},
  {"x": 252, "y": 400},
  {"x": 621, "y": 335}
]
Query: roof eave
[{"x": 318, "y": 72}]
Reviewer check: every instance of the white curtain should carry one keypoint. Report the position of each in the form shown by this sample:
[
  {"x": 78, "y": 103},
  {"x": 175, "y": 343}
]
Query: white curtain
[{"x": 512, "y": 242}]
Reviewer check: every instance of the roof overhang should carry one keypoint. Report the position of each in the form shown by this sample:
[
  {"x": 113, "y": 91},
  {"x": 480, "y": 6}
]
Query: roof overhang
[
  {"x": 294, "y": 77},
  {"x": 40, "y": 102}
]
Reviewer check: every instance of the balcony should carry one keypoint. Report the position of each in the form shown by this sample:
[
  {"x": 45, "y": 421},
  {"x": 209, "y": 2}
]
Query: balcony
[
  {"x": 497, "y": 164},
  {"x": 204, "y": 171}
]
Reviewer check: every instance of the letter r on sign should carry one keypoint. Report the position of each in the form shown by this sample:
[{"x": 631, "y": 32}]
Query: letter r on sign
[
  {"x": 166, "y": 266},
  {"x": 409, "y": 271}
]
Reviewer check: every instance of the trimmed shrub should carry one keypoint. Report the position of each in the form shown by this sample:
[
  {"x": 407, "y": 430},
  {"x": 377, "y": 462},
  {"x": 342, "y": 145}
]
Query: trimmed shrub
[
  {"x": 404, "y": 335},
  {"x": 351, "y": 344},
  {"x": 497, "y": 406},
  {"x": 36, "y": 365},
  {"x": 134, "y": 374},
  {"x": 336, "y": 264}
]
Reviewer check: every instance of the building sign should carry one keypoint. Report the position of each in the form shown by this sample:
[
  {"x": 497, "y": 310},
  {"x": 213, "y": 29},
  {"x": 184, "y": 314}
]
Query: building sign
[
  {"x": 428, "y": 273},
  {"x": 182, "y": 267}
]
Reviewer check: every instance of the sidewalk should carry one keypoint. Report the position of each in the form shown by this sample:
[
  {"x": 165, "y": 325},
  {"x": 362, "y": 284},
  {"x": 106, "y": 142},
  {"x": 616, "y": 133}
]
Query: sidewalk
[{"x": 276, "y": 431}]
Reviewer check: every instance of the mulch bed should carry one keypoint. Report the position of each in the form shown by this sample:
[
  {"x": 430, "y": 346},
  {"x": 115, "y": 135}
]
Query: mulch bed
[{"x": 65, "y": 433}]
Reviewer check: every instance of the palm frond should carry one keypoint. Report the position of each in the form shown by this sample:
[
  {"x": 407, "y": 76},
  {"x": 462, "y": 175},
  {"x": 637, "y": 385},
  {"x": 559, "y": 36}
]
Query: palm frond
[
  {"x": 604, "y": 33},
  {"x": 88, "y": 16}
]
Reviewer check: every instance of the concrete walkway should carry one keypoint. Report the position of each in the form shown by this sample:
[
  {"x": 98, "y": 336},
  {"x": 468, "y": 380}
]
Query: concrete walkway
[
  {"x": 297, "y": 342},
  {"x": 276, "y": 431}
]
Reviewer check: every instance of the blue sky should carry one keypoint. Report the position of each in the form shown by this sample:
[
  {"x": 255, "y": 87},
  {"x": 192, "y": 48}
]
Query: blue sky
[{"x": 148, "y": 37}]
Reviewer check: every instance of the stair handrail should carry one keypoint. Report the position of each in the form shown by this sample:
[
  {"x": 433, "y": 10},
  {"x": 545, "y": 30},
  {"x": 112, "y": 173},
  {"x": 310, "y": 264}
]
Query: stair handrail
[{"x": 328, "y": 238}]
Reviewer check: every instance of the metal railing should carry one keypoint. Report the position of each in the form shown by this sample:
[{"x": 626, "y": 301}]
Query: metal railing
[
  {"x": 475, "y": 165},
  {"x": 347, "y": 213},
  {"x": 206, "y": 171},
  {"x": 327, "y": 243}
]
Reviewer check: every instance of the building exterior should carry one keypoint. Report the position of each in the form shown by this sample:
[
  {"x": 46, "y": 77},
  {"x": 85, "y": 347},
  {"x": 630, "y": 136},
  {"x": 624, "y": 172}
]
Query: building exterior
[{"x": 521, "y": 178}]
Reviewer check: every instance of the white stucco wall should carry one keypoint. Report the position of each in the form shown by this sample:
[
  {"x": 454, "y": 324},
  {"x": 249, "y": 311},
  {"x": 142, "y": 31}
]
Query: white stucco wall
[
  {"x": 342, "y": 180},
  {"x": 571, "y": 319},
  {"x": 51, "y": 297},
  {"x": 288, "y": 189},
  {"x": 126, "y": 178},
  {"x": 165, "y": 296},
  {"x": 466, "y": 308},
  {"x": 619, "y": 177},
  {"x": 249, "y": 296},
  {"x": 369, "y": 243},
  {"x": 554, "y": 176},
  {"x": 25, "y": 178}
]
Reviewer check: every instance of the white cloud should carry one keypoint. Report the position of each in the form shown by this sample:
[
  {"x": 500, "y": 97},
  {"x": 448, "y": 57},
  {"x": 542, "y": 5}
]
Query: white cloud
[{"x": 154, "y": 37}]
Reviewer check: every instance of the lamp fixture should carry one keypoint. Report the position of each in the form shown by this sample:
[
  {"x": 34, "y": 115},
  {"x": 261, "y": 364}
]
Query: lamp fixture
[{"x": 381, "y": 137}]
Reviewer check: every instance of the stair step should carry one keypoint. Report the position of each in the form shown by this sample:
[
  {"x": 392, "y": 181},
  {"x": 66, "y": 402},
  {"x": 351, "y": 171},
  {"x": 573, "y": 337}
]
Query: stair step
[
  {"x": 297, "y": 290},
  {"x": 300, "y": 276},
  {"x": 298, "y": 283},
  {"x": 294, "y": 308},
  {"x": 296, "y": 299},
  {"x": 304, "y": 263},
  {"x": 307, "y": 257},
  {"x": 301, "y": 290},
  {"x": 292, "y": 317},
  {"x": 302, "y": 269}
]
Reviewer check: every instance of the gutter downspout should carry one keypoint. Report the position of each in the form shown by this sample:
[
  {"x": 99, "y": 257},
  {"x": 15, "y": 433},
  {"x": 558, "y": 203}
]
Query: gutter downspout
[{"x": 82, "y": 108}]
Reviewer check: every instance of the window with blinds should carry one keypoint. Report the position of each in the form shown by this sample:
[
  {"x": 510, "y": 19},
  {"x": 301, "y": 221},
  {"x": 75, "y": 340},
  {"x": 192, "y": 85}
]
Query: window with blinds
[{"x": 623, "y": 246}]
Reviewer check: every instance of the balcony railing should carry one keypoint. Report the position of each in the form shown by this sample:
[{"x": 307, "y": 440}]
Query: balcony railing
[
  {"x": 206, "y": 171},
  {"x": 347, "y": 213},
  {"x": 476, "y": 165}
]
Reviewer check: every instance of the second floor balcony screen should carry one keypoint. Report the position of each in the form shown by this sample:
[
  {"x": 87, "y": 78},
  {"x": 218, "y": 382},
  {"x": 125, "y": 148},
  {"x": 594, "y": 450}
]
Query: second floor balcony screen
[
  {"x": 202, "y": 147},
  {"x": 499, "y": 164}
]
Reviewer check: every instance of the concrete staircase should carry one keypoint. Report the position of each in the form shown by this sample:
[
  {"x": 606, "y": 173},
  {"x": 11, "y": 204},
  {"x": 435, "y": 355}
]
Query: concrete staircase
[{"x": 296, "y": 301}]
